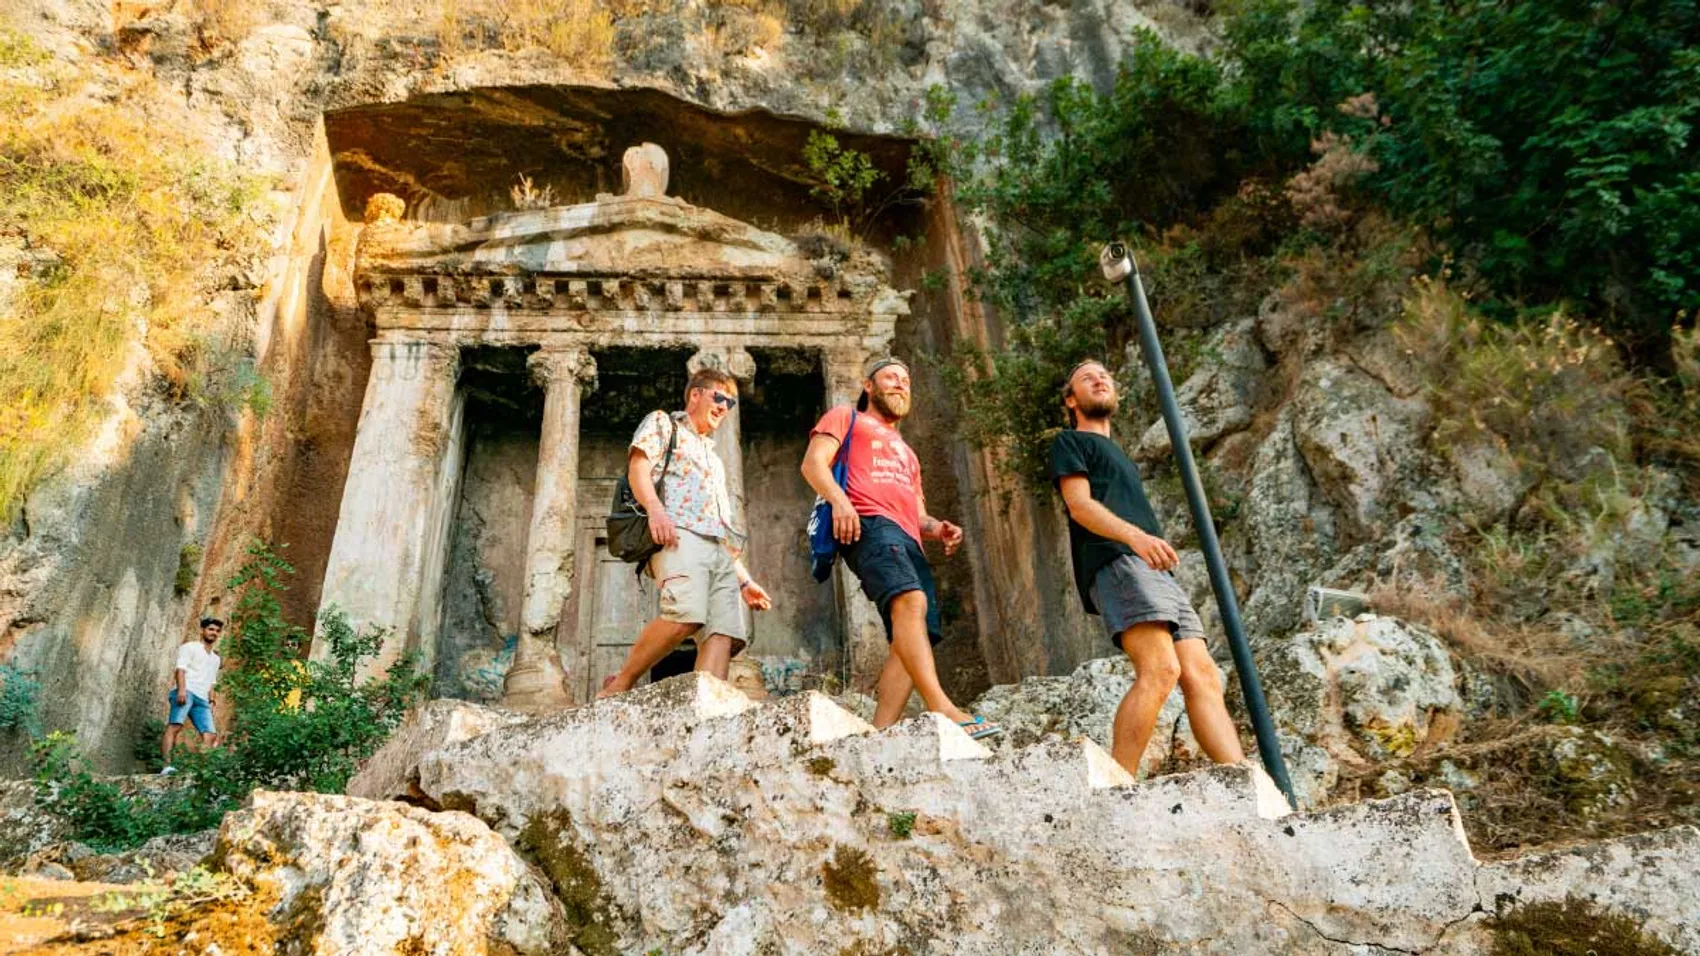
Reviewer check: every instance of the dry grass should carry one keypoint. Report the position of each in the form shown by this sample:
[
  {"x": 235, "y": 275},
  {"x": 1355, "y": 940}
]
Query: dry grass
[
  {"x": 1579, "y": 609},
  {"x": 580, "y": 32},
  {"x": 124, "y": 225}
]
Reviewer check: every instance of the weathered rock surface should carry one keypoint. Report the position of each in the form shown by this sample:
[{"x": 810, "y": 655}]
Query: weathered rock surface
[
  {"x": 684, "y": 818},
  {"x": 393, "y": 772},
  {"x": 1353, "y": 692},
  {"x": 161, "y": 858},
  {"x": 1361, "y": 443},
  {"x": 1083, "y": 704},
  {"x": 1221, "y": 397},
  {"x": 364, "y": 877}
]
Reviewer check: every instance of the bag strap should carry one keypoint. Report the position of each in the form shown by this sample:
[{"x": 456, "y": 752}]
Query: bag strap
[
  {"x": 842, "y": 459},
  {"x": 672, "y": 442}
]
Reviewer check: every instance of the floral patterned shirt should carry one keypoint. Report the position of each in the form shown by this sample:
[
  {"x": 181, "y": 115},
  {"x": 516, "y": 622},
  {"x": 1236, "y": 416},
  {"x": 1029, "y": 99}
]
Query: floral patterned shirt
[{"x": 695, "y": 494}]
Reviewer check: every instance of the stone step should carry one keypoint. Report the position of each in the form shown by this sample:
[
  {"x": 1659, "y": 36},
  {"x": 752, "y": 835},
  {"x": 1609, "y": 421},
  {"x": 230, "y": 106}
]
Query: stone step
[{"x": 918, "y": 748}]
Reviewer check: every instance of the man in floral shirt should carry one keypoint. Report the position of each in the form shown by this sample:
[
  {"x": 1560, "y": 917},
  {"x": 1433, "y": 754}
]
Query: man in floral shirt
[{"x": 701, "y": 583}]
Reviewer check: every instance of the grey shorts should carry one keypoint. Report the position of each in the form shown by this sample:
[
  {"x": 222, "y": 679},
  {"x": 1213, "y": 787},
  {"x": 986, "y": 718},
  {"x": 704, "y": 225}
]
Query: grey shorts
[
  {"x": 698, "y": 584},
  {"x": 1127, "y": 592}
]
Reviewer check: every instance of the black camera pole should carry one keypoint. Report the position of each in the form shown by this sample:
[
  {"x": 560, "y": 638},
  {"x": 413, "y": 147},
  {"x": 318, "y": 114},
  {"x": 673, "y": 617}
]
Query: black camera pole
[{"x": 1118, "y": 264}]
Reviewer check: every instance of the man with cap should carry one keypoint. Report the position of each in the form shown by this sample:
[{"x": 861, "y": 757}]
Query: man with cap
[
  {"x": 879, "y": 522},
  {"x": 191, "y": 693}
]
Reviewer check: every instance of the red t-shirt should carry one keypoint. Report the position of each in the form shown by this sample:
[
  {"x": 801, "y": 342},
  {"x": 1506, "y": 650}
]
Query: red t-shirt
[{"x": 885, "y": 475}]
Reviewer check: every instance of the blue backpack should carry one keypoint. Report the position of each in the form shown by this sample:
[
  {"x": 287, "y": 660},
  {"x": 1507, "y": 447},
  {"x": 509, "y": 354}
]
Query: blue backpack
[{"x": 823, "y": 547}]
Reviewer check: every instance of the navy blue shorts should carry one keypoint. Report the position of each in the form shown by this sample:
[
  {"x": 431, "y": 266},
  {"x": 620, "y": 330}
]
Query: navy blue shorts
[{"x": 888, "y": 562}]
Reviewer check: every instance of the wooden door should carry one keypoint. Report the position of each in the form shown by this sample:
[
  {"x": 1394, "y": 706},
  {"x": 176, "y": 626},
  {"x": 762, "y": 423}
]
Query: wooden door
[{"x": 612, "y": 608}]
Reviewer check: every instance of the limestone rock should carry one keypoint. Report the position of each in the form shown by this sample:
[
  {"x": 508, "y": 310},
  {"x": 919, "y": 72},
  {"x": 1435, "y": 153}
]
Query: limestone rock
[
  {"x": 1630, "y": 873},
  {"x": 1362, "y": 444},
  {"x": 1083, "y": 704},
  {"x": 1356, "y": 691},
  {"x": 158, "y": 859},
  {"x": 1490, "y": 481},
  {"x": 1218, "y": 399},
  {"x": 1291, "y": 530},
  {"x": 360, "y": 876},
  {"x": 393, "y": 772},
  {"x": 684, "y": 819},
  {"x": 25, "y": 829}
]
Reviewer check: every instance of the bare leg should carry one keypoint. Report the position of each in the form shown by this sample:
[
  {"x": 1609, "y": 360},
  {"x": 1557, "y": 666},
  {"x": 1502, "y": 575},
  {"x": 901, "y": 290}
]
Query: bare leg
[
  {"x": 655, "y": 641},
  {"x": 892, "y": 692},
  {"x": 1155, "y": 670},
  {"x": 715, "y": 655},
  {"x": 909, "y": 645},
  {"x": 1206, "y": 711},
  {"x": 171, "y": 732}
]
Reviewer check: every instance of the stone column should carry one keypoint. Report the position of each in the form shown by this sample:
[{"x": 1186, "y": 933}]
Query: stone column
[
  {"x": 864, "y": 634},
  {"x": 537, "y": 682},
  {"x": 387, "y": 558},
  {"x": 729, "y": 437}
]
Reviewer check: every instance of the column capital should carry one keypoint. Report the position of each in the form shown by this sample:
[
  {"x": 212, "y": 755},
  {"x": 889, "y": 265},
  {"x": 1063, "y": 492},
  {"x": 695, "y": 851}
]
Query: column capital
[
  {"x": 551, "y": 365},
  {"x": 734, "y": 360}
]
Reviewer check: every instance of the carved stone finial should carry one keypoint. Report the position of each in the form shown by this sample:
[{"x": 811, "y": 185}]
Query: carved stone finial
[
  {"x": 644, "y": 172},
  {"x": 384, "y": 207}
]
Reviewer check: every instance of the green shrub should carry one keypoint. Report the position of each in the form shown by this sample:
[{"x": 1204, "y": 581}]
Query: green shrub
[
  {"x": 297, "y": 724},
  {"x": 20, "y": 701}
]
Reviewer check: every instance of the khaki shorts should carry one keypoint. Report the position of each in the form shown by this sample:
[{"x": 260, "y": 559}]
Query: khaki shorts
[{"x": 698, "y": 584}]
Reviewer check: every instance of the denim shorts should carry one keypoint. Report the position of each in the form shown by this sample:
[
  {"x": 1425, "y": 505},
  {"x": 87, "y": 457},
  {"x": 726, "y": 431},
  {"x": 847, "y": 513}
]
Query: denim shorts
[
  {"x": 888, "y": 562},
  {"x": 197, "y": 709},
  {"x": 1127, "y": 591}
]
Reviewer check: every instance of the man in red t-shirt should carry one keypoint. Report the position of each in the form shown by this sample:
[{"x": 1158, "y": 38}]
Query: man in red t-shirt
[{"x": 879, "y": 523}]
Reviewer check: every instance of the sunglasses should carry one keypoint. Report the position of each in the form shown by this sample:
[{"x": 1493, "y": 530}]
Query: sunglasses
[{"x": 724, "y": 401}]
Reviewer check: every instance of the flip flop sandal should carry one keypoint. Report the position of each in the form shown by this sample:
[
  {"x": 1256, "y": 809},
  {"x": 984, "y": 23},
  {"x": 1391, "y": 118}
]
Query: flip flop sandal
[{"x": 979, "y": 728}]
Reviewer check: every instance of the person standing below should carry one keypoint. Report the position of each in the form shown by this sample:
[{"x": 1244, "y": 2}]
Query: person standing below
[
  {"x": 879, "y": 524},
  {"x": 700, "y": 581},
  {"x": 191, "y": 693},
  {"x": 1125, "y": 573}
]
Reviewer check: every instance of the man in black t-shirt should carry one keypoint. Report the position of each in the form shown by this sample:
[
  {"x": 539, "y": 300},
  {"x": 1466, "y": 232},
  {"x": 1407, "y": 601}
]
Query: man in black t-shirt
[{"x": 1125, "y": 572}]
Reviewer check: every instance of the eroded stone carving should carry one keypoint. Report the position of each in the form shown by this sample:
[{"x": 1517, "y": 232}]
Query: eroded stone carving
[{"x": 643, "y": 172}]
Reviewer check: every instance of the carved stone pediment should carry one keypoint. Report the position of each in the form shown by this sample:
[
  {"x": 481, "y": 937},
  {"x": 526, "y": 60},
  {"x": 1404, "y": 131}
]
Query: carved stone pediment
[
  {"x": 595, "y": 266},
  {"x": 638, "y": 237}
]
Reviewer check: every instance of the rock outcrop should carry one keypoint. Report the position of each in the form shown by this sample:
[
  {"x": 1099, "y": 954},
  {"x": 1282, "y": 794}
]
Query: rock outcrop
[
  {"x": 358, "y": 876},
  {"x": 1357, "y": 691},
  {"x": 683, "y": 818}
]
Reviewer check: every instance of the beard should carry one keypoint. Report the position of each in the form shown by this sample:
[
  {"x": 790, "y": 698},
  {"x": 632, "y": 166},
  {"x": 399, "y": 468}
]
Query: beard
[
  {"x": 893, "y": 405},
  {"x": 1089, "y": 407}
]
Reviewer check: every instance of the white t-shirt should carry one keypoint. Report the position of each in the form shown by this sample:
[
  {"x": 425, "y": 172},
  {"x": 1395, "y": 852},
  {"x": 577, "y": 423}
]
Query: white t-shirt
[{"x": 199, "y": 667}]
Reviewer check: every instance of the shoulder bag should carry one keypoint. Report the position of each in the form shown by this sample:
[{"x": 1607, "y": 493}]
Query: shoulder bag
[{"x": 628, "y": 524}]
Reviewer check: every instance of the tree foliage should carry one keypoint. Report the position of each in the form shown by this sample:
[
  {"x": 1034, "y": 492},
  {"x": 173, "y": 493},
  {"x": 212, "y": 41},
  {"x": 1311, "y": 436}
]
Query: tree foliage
[{"x": 1544, "y": 150}]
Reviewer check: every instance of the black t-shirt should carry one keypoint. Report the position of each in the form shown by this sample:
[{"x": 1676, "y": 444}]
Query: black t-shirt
[{"x": 1115, "y": 483}]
